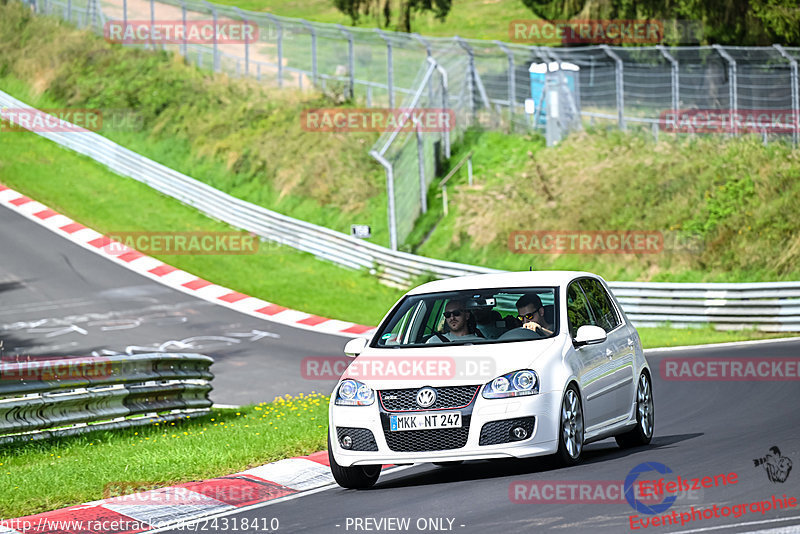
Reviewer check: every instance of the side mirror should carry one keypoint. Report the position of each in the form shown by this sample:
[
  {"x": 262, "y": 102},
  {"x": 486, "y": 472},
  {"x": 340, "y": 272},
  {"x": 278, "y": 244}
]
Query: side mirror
[
  {"x": 355, "y": 346},
  {"x": 589, "y": 335}
]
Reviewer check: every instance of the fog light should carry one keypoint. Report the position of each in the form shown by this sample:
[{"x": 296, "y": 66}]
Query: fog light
[
  {"x": 519, "y": 432},
  {"x": 347, "y": 442}
]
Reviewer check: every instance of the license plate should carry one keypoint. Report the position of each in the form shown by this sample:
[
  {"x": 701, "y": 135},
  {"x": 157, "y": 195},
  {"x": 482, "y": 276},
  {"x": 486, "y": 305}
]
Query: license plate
[{"x": 425, "y": 421}]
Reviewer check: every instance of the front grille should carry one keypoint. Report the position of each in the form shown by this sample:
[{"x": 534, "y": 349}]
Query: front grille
[
  {"x": 363, "y": 438},
  {"x": 448, "y": 397},
  {"x": 495, "y": 432},
  {"x": 440, "y": 439}
]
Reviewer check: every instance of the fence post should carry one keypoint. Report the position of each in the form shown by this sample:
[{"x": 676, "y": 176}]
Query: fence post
[
  {"x": 423, "y": 185},
  {"x": 620, "y": 86},
  {"x": 443, "y": 74},
  {"x": 795, "y": 95},
  {"x": 185, "y": 43},
  {"x": 246, "y": 42},
  {"x": 390, "y": 193},
  {"x": 732, "y": 92},
  {"x": 311, "y": 29},
  {"x": 427, "y": 46},
  {"x": 278, "y": 24},
  {"x": 674, "y": 80},
  {"x": 389, "y": 66},
  {"x": 512, "y": 77},
  {"x": 216, "y": 47},
  {"x": 351, "y": 63},
  {"x": 470, "y": 76},
  {"x": 152, "y": 22}
]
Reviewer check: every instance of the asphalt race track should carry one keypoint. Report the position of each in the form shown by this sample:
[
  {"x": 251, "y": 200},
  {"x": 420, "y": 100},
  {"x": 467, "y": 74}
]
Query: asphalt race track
[
  {"x": 58, "y": 299},
  {"x": 701, "y": 429}
]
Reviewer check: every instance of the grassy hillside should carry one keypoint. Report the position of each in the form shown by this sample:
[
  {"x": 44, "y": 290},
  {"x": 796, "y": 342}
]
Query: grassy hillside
[
  {"x": 733, "y": 202},
  {"x": 236, "y": 135},
  {"x": 728, "y": 210}
]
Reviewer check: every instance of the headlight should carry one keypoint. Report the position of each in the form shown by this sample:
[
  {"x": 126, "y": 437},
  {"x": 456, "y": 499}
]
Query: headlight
[
  {"x": 354, "y": 393},
  {"x": 516, "y": 384}
]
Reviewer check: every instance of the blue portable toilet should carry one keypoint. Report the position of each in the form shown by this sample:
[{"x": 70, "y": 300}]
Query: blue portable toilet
[{"x": 540, "y": 72}]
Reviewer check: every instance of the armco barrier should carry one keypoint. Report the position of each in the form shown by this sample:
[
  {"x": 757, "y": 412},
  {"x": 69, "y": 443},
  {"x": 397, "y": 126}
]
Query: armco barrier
[
  {"x": 764, "y": 306},
  {"x": 77, "y": 394}
]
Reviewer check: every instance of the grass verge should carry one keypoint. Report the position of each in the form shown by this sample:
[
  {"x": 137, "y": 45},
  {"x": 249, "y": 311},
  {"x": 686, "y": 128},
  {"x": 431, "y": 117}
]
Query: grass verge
[{"x": 46, "y": 475}]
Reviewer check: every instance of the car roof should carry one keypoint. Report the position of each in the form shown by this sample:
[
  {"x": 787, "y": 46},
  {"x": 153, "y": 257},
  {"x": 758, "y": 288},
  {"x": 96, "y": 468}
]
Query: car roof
[{"x": 500, "y": 280}]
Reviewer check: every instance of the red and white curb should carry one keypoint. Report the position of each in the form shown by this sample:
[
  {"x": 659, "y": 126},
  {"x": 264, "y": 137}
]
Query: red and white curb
[
  {"x": 172, "y": 276},
  {"x": 179, "y": 504}
]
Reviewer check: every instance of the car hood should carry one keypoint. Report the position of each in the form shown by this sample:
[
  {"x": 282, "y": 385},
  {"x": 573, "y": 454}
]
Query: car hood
[{"x": 395, "y": 368}]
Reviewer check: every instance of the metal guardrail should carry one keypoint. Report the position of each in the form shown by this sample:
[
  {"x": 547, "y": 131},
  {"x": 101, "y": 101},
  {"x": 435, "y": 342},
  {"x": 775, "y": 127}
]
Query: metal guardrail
[
  {"x": 66, "y": 396},
  {"x": 764, "y": 306}
]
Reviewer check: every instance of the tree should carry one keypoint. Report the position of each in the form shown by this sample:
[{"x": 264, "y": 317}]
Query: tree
[
  {"x": 735, "y": 22},
  {"x": 356, "y": 8}
]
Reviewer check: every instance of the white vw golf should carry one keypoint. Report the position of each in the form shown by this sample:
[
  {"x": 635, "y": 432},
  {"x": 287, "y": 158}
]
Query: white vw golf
[{"x": 491, "y": 366}]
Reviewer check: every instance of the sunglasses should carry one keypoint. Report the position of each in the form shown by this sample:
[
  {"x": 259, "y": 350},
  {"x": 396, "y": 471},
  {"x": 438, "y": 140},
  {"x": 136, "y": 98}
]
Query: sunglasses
[
  {"x": 454, "y": 313},
  {"x": 527, "y": 317}
]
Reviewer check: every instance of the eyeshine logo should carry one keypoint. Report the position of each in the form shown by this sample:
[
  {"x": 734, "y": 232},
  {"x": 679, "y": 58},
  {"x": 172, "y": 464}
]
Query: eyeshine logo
[
  {"x": 378, "y": 120},
  {"x": 585, "y": 242},
  {"x": 178, "y": 32},
  {"x": 777, "y": 467}
]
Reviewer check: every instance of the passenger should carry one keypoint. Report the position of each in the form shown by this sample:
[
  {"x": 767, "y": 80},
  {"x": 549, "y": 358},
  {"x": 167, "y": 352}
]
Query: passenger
[
  {"x": 487, "y": 320},
  {"x": 458, "y": 321},
  {"x": 531, "y": 313}
]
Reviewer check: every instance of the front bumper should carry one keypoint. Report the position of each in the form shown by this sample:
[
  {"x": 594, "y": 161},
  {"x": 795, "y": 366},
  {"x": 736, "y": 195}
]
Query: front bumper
[{"x": 544, "y": 408}]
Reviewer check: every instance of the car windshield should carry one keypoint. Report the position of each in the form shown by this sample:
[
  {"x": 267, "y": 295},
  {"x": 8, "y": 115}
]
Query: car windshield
[{"x": 471, "y": 317}]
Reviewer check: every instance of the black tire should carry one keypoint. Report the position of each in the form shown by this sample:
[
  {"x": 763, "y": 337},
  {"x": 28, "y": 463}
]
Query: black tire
[
  {"x": 642, "y": 433},
  {"x": 358, "y": 477},
  {"x": 570, "y": 428},
  {"x": 449, "y": 464}
]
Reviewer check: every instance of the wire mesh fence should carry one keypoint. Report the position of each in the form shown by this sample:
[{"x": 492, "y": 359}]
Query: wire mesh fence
[{"x": 685, "y": 90}]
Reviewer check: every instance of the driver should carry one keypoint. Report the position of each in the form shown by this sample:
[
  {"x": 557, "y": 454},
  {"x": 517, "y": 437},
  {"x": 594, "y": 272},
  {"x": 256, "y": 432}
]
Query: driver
[
  {"x": 457, "y": 318},
  {"x": 531, "y": 313}
]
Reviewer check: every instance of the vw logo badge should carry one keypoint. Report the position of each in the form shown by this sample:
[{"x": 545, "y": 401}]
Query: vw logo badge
[{"x": 426, "y": 397}]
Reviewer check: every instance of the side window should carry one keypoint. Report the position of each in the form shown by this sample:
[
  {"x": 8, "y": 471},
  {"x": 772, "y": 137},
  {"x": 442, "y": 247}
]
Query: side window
[
  {"x": 435, "y": 319},
  {"x": 577, "y": 309},
  {"x": 603, "y": 309}
]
